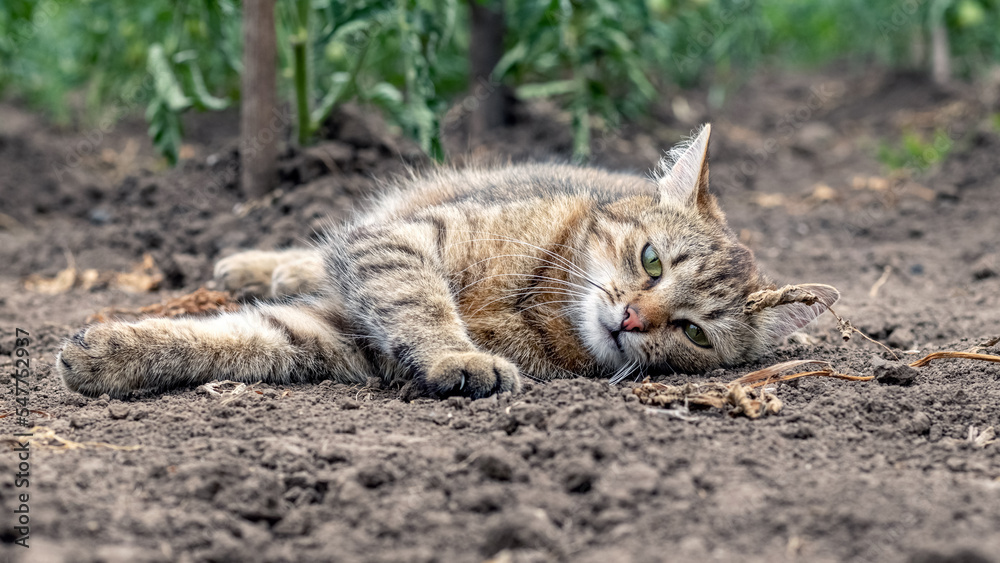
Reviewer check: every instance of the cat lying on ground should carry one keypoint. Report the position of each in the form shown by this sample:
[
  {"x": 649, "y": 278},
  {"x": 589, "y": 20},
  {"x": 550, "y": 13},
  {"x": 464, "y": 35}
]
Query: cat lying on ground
[{"x": 462, "y": 281}]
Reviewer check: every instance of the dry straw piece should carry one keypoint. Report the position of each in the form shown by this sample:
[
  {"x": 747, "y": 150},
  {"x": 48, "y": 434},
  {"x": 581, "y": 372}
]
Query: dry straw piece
[
  {"x": 973, "y": 353},
  {"x": 44, "y": 437},
  {"x": 772, "y": 374},
  {"x": 955, "y": 355},
  {"x": 144, "y": 277},
  {"x": 982, "y": 439}
]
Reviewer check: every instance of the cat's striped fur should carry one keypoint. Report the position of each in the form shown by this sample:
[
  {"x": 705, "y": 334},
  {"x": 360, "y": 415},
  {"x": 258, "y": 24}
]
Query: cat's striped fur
[{"x": 462, "y": 280}]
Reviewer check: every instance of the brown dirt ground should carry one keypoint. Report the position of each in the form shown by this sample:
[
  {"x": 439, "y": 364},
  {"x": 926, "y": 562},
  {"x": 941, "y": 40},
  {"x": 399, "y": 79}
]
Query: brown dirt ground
[{"x": 570, "y": 470}]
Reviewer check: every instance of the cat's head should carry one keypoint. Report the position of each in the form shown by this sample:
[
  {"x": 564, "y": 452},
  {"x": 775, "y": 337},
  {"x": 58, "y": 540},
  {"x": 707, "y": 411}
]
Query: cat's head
[{"x": 673, "y": 278}]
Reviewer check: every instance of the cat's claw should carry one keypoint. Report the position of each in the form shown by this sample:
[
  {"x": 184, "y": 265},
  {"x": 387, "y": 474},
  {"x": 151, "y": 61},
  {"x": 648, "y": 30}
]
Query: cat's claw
[{"x": 473, "y": 374}]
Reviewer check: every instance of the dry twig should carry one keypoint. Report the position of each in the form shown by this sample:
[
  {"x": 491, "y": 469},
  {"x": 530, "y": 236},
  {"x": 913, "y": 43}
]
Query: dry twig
[
  {"x": 957, "y": 355},
  {"x": 873, "y": 292},
  {"x": 771, "y": 374}
]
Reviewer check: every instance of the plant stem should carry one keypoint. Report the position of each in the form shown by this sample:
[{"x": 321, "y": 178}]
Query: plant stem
[{"x": 300, "y": 55}]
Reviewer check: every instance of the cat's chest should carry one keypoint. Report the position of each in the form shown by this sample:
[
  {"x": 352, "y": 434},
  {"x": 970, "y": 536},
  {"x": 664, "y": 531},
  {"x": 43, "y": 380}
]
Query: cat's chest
[{"x": 533, "y": 325}]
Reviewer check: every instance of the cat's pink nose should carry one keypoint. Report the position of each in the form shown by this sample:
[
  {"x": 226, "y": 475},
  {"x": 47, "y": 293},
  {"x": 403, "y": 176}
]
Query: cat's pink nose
[{"x": 632, "y": 320}]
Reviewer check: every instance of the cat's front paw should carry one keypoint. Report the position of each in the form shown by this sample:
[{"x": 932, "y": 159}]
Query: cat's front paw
[
  {"x": 473, "y": 374},
  {"x": 97, "y": 360}
]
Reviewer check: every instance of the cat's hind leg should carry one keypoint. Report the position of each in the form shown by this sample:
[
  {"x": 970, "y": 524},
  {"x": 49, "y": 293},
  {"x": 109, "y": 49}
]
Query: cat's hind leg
[
  {"x": 305, "y": 340},
  {"x": 264, "y": 273}
]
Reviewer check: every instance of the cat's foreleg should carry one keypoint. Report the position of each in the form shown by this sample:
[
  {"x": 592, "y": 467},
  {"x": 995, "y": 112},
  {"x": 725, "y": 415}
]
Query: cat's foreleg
[
  {"x": 279, "y": 343},
  {"x": 394, "y": 281}
]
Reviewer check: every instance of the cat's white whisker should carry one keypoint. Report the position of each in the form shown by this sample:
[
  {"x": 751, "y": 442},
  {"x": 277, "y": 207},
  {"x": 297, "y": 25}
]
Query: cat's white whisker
[
  {"x": 526, "y": 293},
  {"x": 520, "y": 292},
  {"x": 640, "y": 375},
  {"x": 532, "y": 276},
  {"x": 577, "y": 270},
  {"x": 543, "y": 303},
  {"x": 623, "y": 373},
  {"x": 562, "y": 259},
  {"x": 501, "y": 238},
  {"x": 506, "y": 297},
  {"x": 552, "y": 265}
]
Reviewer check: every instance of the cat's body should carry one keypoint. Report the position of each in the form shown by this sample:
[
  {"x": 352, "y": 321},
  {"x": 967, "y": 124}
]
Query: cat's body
[{"x": 461, "y": 280}]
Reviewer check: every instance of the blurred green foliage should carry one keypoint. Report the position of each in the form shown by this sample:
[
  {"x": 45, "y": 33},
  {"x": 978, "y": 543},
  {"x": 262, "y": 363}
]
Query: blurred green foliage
[
  {"x": 406, "y": 57},
  {"x": 915, "y": 152},
  {"x": 597, "y": 54},
  {"x": 601, "y": 60}
]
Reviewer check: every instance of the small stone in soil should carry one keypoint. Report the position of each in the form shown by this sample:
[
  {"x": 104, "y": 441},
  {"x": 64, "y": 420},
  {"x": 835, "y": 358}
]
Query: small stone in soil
[{"x": 892, "y": 373}]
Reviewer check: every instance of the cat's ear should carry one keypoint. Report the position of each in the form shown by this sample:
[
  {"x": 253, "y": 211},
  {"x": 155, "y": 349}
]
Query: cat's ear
[
  {"x": 683, "y": 175},
  {"x": 778, "y": 322}
]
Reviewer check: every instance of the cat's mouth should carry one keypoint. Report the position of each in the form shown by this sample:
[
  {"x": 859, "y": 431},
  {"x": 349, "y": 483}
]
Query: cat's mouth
[{"x": 616, "y": 337}]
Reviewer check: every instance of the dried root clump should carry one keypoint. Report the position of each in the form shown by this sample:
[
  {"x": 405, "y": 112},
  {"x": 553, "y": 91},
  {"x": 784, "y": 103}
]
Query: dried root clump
[
  {"x": 767, "y": 298},
  {"x": 228, "y": 390},
  {"x": 200, "y": 301},
  {"x": 738, "y": 393},
  {"x": 713, "y": 395}
]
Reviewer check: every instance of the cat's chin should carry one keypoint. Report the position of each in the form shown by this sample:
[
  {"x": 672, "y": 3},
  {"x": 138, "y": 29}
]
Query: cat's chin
[{"x": 607, "y": 345}]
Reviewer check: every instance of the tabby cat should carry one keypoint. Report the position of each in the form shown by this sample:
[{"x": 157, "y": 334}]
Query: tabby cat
[{"x": 462, "y": 282}]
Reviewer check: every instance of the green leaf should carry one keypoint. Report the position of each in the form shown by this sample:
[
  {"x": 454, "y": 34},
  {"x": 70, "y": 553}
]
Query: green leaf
[
  {"x": 386, "y": 94},
  {"x": 512, "y": 57},
  {"x": 165, "y": 82},
  {"x": 338, "y": 81},
  {"x": 203, "y": 98},
  {"x": 164, "y": 129},
  {"x": 547, "y": 89}
]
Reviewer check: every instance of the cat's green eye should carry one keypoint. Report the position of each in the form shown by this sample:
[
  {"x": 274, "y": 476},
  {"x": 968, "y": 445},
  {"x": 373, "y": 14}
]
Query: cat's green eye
[
  {"x": 695, "y": 334},
  {"x": 651, "y": 262}
]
